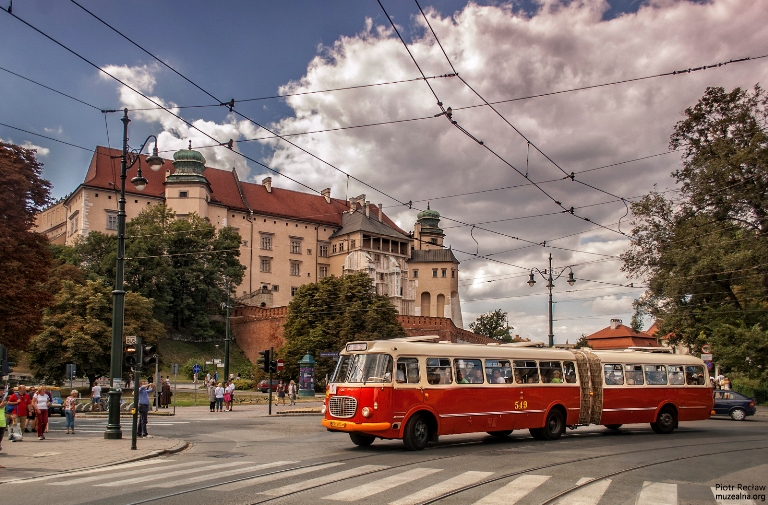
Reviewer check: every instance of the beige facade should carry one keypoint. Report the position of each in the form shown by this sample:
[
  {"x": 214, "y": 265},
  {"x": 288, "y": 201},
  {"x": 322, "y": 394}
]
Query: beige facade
[{"x": 289, "y": 238}]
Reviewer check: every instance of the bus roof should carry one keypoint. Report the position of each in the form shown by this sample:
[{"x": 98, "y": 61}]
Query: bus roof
[{"x": 431, "y": 345}]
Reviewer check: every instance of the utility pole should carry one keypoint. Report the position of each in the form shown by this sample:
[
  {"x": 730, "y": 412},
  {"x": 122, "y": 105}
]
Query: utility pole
[{"x": 547, "y": 275}]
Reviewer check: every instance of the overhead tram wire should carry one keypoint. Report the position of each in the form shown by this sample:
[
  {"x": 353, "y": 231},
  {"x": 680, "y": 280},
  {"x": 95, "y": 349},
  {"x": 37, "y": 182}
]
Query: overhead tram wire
[
  {"x": 231, "y": 105},
  {"x": 78, "y": 55},
  {"x": 567, "y": 175},
  {"x": 46, "y": 137},
  {"x": 448, "y": 115},
  {"x": 51, "y": 89}
]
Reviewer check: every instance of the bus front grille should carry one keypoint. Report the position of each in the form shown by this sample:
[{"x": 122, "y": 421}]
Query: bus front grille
[{"x": 342, "y": 406}]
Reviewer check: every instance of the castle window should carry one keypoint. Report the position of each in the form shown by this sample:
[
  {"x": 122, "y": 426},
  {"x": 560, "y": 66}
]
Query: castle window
[
  {"x": 183, "y": 194},
  {"x": 295, "y": 268},
  {"x": 444, "y": 273},
  {"x": 352, "y": 244},
  {"x": 111, "y": 221},
  {"x": 334, "y": 248},
  {"x": 322, "y": 271},
  {"x": 266, "y": 242},
  {"x": 294, "y": 289},
  {"x": 295, "y": 246},
  {"x": 434, "y": 272},
  {"x": 415, "y": 274},
  {"x": 265, "y": 265},
  {"x": 323, "y": 251}
]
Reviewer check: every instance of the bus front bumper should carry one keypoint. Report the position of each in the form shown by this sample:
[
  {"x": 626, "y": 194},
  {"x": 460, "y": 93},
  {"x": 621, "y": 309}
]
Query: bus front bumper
[{"x": 349, "y": 426}]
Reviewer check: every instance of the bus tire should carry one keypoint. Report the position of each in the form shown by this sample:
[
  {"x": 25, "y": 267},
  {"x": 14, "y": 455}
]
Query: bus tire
[
  {"x": 666, "y": 422},
  {"x": 554, "y": 425},
  {"x": 416, "y": 433},
  {"x": 361, "y": 439},
  {"x": 500, "y": 434},
  {"x": 613, "y": 427}
]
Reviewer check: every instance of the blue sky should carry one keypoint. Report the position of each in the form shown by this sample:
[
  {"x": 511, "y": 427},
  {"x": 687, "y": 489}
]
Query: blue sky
[{"x": 505, "y": 50}]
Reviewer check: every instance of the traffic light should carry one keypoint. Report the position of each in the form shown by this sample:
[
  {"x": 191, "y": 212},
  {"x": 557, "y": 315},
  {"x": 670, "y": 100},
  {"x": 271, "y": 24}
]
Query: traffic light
[
  {"x": 149, "y": 355},
  {"x": 130, "y": 355},
  {"x": 263, "y": 361},
  {"x": 273, "y": 366},
  {"x": 5, "y": 365}
]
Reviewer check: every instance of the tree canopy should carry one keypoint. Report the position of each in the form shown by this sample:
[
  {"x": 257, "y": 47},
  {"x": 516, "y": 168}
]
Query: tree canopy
[
  {"x": 24, "y": 255},
  {"x": 494, "y": 324},
  {"x": 325, "y": 315},
  {"x": 184, "y": 265},
  {"x": 77, "y": 327},
  {"x": 704, "y": 252}
]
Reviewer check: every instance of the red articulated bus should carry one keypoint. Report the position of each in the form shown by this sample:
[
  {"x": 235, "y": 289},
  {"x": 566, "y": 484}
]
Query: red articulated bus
[{"x": 417, "y": 388}]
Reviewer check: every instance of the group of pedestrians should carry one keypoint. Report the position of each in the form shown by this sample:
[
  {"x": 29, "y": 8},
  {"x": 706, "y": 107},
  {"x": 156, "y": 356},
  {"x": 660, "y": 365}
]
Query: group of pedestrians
[
  {"x": 221, "y": 396},
  {"x": 27, "y": 412},
  {"x": 290, "y": 390}
]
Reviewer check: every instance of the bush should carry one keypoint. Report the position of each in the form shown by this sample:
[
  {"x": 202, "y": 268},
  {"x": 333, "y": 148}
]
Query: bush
[{"x": 244, "y": 384}]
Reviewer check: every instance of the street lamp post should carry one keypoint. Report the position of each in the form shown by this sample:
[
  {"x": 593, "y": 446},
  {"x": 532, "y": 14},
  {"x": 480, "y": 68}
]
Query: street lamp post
[
  {"x": 227, "y": 336},
  {"x": 547, "y": 275},
  {"x": 118, "y": 295}
]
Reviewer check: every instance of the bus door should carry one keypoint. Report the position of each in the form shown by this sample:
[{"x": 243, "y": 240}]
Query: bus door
[
  {"x": 408, "y": 391},
  {"x": 527, "y": 401}
]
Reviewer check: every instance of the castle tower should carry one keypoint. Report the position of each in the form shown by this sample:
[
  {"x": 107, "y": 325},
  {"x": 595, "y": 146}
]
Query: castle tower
[{"x": 187, "y": 190}]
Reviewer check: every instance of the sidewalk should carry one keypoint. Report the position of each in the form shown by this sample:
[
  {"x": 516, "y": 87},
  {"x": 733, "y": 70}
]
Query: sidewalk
[{"x": 60, "y": 452}]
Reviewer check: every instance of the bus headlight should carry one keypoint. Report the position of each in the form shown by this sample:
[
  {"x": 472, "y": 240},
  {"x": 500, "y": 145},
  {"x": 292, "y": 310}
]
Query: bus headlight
[
  {"x": 366, "y": 412},
  {"x": 323, "y": 408}
]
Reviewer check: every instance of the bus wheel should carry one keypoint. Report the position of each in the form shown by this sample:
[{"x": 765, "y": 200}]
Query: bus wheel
[
  {"x": 416, "y": 433},
  {"x": 500, "y": 434},
  {"x": 361, "y": 439},
  {"x": 555, "y": 425},
  {"x": 613, "y": 427},
  {"x": 666, "y": 422}
]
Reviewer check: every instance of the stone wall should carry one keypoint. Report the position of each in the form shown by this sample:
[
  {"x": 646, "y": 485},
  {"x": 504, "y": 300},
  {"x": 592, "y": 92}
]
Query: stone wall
[{"x": 256, "y": 329}]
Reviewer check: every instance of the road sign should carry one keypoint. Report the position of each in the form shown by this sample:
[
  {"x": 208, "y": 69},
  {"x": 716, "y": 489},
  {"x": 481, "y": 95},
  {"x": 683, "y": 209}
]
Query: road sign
[
  {"x": 174, "y": 368},
  {"x": 706, "y": 349},
  {"x": 130, "y": 339},
  {"x": 709, "y": 365},
  {"x": 280, "y": 365},
  {"x": 196, "y": 369},
  {"x": 329, "y": 355},
  {"x": 706, "y": 356}
]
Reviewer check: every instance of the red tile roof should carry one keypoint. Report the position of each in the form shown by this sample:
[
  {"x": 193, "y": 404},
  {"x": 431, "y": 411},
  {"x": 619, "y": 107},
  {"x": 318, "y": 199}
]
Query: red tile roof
[
  {"x": 620, "y": 337},
  {"x": 104, "y": 172}
]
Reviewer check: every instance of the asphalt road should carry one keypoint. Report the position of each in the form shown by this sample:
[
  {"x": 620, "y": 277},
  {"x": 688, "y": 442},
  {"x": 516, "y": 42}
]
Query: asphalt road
[{"x": 290, "y": 460}]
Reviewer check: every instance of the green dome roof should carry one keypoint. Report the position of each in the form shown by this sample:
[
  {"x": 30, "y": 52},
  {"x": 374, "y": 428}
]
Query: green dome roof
[
  {"x": 188, "y": 161},
  {"x": 429, "y": 220}
]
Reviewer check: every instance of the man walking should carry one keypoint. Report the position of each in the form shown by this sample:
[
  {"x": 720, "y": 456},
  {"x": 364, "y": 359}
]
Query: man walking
[
  {"x": 96, "y": 397},
  {"x": 144, "y": 390}
]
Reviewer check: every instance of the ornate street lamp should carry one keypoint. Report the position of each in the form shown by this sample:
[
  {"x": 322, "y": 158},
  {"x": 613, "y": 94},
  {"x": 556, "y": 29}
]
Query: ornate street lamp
[
  {"x": 128, "y": 159},
  {"x": 547, "y": 275}
]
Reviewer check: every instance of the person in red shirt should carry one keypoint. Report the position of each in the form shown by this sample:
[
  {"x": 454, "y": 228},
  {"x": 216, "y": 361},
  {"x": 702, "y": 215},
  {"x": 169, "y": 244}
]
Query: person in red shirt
[{"x": 21, "y": 399}]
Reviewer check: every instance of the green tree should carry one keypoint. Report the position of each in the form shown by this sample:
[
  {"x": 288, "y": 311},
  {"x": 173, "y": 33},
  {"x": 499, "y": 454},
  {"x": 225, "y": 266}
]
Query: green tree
[
  {"x": 24, "y": 255},
  {"x": 582, "y": 342},
  {"x": 703, "y": 255},
  {"x": 77, "y": 328},
  {"x": 494, "y": 324},
  {"x": 324, "y": 316}
]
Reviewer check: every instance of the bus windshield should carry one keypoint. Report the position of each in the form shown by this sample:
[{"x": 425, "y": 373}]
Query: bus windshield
[{"x": 364, "y": 368}]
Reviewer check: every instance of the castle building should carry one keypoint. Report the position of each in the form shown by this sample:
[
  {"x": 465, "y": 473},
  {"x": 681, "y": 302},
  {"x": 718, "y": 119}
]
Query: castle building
[{"x": 289, "y": 238}]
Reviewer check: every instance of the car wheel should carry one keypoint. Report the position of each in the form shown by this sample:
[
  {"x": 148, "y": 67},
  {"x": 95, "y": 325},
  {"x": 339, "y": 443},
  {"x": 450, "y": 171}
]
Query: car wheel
[
  {"x": 361, "y": 439},
  {"x": 738, "y": 414},
  {"x": 613, "y": 427},
  {"x": 263, "y": 390},
  {"x": 666, "y": 422},
  {"x": 500, "y": 434},
  {"x": 416, "y": 434}
]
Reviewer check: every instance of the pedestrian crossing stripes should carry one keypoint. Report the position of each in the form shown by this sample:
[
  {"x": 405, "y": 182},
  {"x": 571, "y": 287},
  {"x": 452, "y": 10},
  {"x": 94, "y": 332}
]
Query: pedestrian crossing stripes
[{"x": 340, "y": 482}]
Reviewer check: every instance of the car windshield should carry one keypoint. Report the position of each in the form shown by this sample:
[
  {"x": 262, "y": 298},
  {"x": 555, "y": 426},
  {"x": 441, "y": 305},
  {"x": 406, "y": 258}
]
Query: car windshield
[{"x": 364, "y": 368}]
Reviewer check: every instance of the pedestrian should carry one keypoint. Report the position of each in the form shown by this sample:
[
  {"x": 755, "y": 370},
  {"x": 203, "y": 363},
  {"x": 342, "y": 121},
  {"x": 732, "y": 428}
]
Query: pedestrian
[
  {"x": 216, "y": 377},
  {"x": 96, "y": 397},
  {"x": 231, "y": 376},
  {"x": 165, "y": 394},
  {"x": 227, "y": 396},
  {"x": 70, "y": 406},
  {"x": 20, "y": 401},
  {"x": 238, "y": 376},
  {"x": 231, "y": 395},
  {"x": 31, "y": 420},
  {"x": 292, "y": 391},
  {"x": 144, "y": 390},
  {"x": 219, "y": 397},
  {"x": 726, "y": 383},
  {"x": 41, "y": 401},
  {"x": 3, "y": 421},
  {"x": 212, "y": 395},
  {"x": 280, "y": 393}
]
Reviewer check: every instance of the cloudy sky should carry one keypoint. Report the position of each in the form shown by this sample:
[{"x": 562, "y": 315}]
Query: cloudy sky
[{"x": 498, "y": 222}]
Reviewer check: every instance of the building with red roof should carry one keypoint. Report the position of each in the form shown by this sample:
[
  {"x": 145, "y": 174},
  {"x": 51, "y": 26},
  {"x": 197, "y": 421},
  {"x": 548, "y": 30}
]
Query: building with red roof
[
  {"x": 619, "y": 336},
  {"x": 289, "y": 238}
]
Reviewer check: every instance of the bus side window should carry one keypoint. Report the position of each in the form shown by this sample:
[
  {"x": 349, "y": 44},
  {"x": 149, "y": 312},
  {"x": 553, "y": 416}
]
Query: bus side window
[
  {"x": 551, "y": 371},
  {"x": 439, "y": 371},
  {"x": 570, "y": 372},
  {"x": 498, "y": 371},
  {"x": 655, "y": 375},
  {"x": 694, "y": 375},
  {"x": 633, "y": 375},
  {"x": 468, "y": 371},
  {"x": 526, "y": 372},
  {"x": 407, "y": 371},
  {"x": 613, "y": 375},
  {"x": 676, "y": 376}
]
